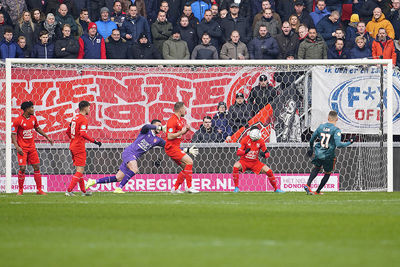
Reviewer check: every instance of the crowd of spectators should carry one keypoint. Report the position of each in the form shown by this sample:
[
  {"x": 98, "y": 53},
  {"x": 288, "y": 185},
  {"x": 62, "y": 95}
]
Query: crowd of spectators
[{"x": 200, "y": 29}]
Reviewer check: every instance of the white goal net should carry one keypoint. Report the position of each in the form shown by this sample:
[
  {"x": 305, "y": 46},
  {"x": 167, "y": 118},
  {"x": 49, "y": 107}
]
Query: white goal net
[{"x": 286, "y": 100}]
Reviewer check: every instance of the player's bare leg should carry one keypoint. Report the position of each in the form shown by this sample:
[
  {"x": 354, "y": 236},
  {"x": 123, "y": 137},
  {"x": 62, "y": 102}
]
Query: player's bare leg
[
  {"x": 313, "y": 174},
  {"x": 237, "y": 167},
  {"x": 271, "y": 178},
  {"x": 38, "y": 179},
  {"x": 21, "y": 179}
]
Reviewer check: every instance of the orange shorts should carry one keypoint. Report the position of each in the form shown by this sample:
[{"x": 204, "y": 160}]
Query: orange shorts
[
  {"x": 175, "y": 153},
  {"x": 79, "y": 158},
  {"x": 254, "y": 166},
  {"x": 30, "y": 157}
]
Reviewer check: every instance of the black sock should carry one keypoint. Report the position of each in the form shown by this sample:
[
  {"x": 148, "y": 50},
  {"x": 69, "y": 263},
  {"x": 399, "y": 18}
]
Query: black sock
[
  {"x": 323, "y": 182},
  {"x": 313, "y": 174}
]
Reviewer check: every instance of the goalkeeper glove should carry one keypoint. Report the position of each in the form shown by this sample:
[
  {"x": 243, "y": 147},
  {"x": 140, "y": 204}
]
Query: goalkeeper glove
[
  {"x": 264, "y": 154},
  {"x": 192, "y": 150},
  {"x": 97, "y": 143},
  {"x": 310, "y": 152}
]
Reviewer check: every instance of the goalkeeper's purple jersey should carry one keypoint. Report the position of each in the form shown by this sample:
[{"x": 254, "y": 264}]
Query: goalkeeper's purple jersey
[{"x": 144, "y": 142}]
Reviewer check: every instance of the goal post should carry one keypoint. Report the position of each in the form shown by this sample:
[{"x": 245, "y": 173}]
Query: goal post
[{"x": 160, "y": 83}]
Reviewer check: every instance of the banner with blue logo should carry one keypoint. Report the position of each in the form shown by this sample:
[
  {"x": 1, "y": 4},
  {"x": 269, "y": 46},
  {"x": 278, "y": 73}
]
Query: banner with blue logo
[{"x": 354, "y": 92}]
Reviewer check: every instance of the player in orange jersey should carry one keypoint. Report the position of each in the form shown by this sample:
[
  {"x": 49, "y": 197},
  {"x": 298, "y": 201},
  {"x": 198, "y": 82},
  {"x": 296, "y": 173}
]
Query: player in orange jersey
[
  {"x": 22, "y": 138},
  {"x": 250, "y": 148},
  {"x": 77, "y": 132},
  {"x": 176, "y": 128}
]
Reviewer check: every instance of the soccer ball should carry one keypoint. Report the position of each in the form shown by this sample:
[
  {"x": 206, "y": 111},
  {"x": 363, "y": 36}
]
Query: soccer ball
[{"x": 255, "y": 134}]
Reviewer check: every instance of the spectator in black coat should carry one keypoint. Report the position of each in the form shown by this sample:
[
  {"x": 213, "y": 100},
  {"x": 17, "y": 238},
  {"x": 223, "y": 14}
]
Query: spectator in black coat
[
  {"x": 327, "y": 26},
  {"x": 67, "y": 46},
  {"x": 53, "y": 5},
  {"x": 207, "y": 133},
  {"x": 187, "y": 11},
  {"x": 244, "y": 8},
  {"x": 394, "y": 18},
  {"x": 285, "y": 8},
  {"x": 263, "y": 46},
  {"x": 188, "y": 34},
  {"x": 7, "y": 17},
  {"x": 3, "y": 26},
  {"x": 175, "y": 8},
  {"x": 220, "y": 121},
  {"x": 239, "y": 113},
  {"x": 303, "y": 16},
  {"x": 27, "y": 28},
  {"x": 205, "y": 50},
  {"x": 235, "y": 22},
  {"x": 338, "y": 50},
  {"x": 44, "y": 49},
  {"x": 143, "y": 49},
  {"x": 261, "y": 95},
  {"x": 288, "y": 42},
  {"x": 118, "y": 16},
  {"x": 212, "y": 28},
  {"x": 52, "y": 27},
  {"x": 116, "y": 47}
]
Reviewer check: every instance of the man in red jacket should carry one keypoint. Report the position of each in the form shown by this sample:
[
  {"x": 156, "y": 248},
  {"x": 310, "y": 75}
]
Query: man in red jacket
[{"x": 383, "y": 47}]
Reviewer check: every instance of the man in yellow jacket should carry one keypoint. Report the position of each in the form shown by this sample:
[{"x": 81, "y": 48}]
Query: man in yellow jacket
[{"x": 378, "y": 21}]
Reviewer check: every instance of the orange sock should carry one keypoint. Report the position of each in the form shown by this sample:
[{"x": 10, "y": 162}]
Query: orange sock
[
  {"x": 271, "y": 179},
  {"x": 74, "y": 181},
  {"x": 21, "y": 180},
  {"x": 38, "y": 180},
  {"x": 236, "y": 176},
  {"x": 188, "y": 173},
  {"x": 179, "y": 181}
]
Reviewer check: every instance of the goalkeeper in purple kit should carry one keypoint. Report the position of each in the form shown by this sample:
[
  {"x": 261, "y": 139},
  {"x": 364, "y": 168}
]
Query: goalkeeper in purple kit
[{"x": 146, "y": 140}]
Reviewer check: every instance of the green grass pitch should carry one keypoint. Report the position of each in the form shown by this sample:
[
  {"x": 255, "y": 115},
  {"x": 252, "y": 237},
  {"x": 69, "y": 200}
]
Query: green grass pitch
[{"x": 207, "y": 229}]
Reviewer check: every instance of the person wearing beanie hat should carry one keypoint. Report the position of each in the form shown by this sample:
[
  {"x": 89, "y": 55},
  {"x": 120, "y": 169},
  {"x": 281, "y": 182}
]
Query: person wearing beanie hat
[
  {"x": 92, "y": 44},
  {"x": 105, "y": 26},
  {"x": 352, "y": 26},
  {"x": 238, "y": 114},
  {"x": 220, "y": 121},
  {"x": 174, "y": 47},
  {"x": 161, "y": 30},
  {"x": 133, "y": 25},
  {"x": 62, "y": 18},
  {"x": 302, "y": 15},
  {"x": 143, "y": 49},
  {"x": 261, "y": 95}
]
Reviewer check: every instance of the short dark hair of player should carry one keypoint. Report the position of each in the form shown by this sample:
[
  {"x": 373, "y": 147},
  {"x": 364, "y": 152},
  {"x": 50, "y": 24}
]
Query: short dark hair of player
[
  {"x": 332, "y": 114},
  {"x": 27, "y": 104},
  {"x": 44, "y": 32},
  {"x": 206, "y": 117},
  {"x": 83, "y": 104},
  {"x": 178, "y": 106},
  {"x": 155, "y": 121}
]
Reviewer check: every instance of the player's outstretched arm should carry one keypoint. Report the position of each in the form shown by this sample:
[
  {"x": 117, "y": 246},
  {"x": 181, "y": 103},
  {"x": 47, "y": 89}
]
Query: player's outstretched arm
[
  {"x": 42, "y": 133},
  {"x": 148, "y": 127},
  {"x": 339, "y": 142}
]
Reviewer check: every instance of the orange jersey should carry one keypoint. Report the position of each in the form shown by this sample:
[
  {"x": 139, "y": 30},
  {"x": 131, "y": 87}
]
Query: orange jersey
[
  {"x": 24, "y": 129},
  {"x": 255, "y": 147},
  {"x": 77, "y": 131},
  {"x": 174, "y": 125}
]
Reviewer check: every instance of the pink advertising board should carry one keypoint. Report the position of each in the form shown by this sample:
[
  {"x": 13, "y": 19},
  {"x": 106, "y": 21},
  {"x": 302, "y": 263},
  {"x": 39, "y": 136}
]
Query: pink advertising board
[{"x": 164, "y": 182}]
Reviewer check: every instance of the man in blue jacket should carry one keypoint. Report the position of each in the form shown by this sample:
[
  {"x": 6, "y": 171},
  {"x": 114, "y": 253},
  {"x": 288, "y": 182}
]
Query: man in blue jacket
[
  {"x": 199, "y": 7},
  {"x": 320, "y": 11},
  {"x": 44, "y": 49},
  {"x": 327, "y": 27},
  {"x": 134, "y": 25},
  {"x": 105, "y": 26},
  {"x": 264, "y": 46},
  {"x": 8, "y": 48}
]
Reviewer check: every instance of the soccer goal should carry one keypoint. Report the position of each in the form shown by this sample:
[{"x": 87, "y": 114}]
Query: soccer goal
[{"x": 288, "y": 100}]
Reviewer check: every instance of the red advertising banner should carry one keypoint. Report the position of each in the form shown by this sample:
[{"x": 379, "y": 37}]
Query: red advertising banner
[{"x": 126, "y": 98}]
